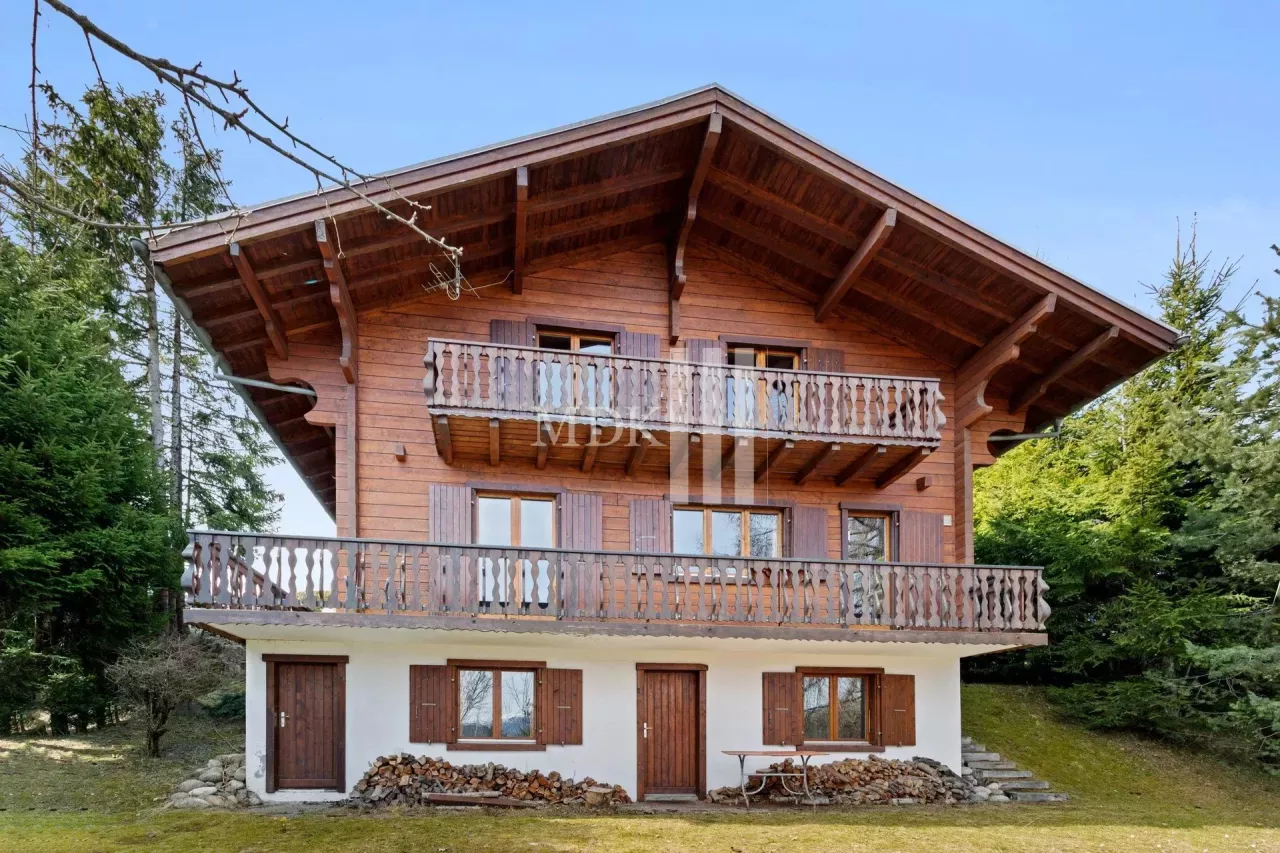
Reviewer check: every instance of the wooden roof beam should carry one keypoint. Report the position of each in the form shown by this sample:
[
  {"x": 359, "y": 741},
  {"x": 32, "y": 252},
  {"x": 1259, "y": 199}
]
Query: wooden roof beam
[
  {"x": 275, "y": 327},
  {"x": 711, "y": 139},
  {"x": 495, "y": 442},
  {"x": 862, "y": 463},
  {"x": 340, "y": 296},
  {"x": 936, "y": 281},
  {"x": 857, "y": 265},
  {"x": 1038, "y": 387},
  {"x": 815, "y": 462},
  {"x": 522, "y": 228},
  {"x": 783, "y": 209},
  {"x": 779, "y": 453},
  {"x": 902, "y": 467},
  {"x": 601, "y": 189},
  {"x": 641, "y": 439},
  {"x": 972, "y": 376},
  {"x": 591, "y": 450}
]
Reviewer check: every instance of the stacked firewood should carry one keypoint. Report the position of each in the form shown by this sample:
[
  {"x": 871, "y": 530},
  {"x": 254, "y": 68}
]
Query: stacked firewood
[
  {"x": 408, "y": 780},
  {"x": 855, "y": 781}
]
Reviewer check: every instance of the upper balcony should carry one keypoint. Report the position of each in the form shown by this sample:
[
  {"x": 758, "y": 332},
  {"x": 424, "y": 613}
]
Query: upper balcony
[
  {"x": 494, "y": 401},
  {"x": 263, "y": 579}
]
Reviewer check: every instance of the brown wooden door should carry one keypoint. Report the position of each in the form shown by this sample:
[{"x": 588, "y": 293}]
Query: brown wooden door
[
  {"x": 670, "y": 732},
  {"x": 308, "y": 723}
]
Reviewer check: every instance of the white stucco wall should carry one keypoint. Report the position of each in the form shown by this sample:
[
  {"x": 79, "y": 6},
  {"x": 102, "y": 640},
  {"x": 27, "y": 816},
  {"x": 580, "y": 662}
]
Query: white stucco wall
[{"x": 377, "y": 710}]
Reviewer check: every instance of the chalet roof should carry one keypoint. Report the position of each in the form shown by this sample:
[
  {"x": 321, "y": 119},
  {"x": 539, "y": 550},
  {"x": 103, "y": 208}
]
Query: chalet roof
[{"x": 773, "y": 203}]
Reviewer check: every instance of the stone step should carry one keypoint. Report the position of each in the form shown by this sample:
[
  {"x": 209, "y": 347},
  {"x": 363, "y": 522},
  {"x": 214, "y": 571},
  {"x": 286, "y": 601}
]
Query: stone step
[
  {"x": 968, "y": 757},
  {"x": 1038, "y": 796},
  {"x": 965, "y": 740},
  {"x": 972, "y": 747},
  {"x": 993, "y": 765},
  {"x": 1024, "y": 785},
  {"x": 1000, "y": 775}
]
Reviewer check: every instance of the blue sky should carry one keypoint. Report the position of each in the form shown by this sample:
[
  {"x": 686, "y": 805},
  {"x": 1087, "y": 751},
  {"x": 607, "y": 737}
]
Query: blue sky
[{"x": 1079, "y": 132}]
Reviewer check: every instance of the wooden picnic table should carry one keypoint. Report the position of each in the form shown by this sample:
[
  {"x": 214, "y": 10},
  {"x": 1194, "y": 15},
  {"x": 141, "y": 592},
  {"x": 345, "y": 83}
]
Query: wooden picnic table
[{"x": 803, "y": 754}]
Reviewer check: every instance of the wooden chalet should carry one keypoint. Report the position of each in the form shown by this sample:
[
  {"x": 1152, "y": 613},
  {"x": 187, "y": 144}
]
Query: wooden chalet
[{"x": 712, "y": 395}]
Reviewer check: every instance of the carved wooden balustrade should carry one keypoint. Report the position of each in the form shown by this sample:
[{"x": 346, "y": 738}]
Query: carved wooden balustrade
[
  {"x": 251, "y": 571},
  {"x": 498, "y": 380}
]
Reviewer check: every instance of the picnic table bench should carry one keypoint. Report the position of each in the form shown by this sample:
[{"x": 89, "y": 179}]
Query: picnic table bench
[{"x": 781, "y": 775}]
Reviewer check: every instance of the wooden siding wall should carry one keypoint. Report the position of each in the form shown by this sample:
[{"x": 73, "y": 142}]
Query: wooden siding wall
[{"x": 630, "y": 290}]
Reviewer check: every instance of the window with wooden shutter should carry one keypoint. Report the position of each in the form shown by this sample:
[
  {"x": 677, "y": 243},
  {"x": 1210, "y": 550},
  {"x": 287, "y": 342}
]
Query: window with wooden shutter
[
  {"x": 638, "y": 345},
  {"x": 431, "y": 705},
  {"x": 781, "y": 709},
  {"x": 704, "y": 351},
  {"x": 515, "y": 333},
  {"x": 808, "y": 535},
  {"x": 449, "y": 513},
  {"x": 560, "y": 706},
  {"x": 651, "y": 526},
  {"x": 898, "y": 710},
  {"x": 920, "y": 537},
  {"x": 582, "y": 521}
]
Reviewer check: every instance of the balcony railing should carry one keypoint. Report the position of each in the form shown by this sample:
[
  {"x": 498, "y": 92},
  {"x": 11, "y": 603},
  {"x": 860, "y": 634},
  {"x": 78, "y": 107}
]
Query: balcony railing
[
  {"x": 496, "y": 380},
  {"x": 251, "y": 572}
]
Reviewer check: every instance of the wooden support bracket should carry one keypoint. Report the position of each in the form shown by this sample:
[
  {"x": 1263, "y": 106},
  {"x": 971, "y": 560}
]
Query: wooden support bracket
[
  {"x": 776, "y": 456},
  {"x": 444, "y": 440},
  {"x": 591, "y": 450},
  {"x": 495, "y": 441},
  {"x": 862, "y": 463},
  {"x": 275, "y": 327},
  {"x": 710, "y": 140},
  {"x": 340, "y": 296},
  {"x": 902, "y": 467},
  {"x": 522, "y": 226},
  {"x": 857, "y": 264},
  {"x": 816, "y": 461},
  {"x": 1038, "y": 387}
]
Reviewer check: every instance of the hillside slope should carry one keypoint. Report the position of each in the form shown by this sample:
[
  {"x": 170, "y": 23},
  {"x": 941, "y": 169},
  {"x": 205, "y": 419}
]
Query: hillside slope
[{"x": 1117, "y": 776}]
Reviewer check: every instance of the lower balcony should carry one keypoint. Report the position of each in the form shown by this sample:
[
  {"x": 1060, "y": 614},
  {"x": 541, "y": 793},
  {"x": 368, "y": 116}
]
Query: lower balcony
[{"x": 267, "y": 579}]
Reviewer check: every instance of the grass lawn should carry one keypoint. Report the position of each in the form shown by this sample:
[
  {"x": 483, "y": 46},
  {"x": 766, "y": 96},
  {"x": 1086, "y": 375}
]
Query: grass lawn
[{"x": 94, "y": 794}]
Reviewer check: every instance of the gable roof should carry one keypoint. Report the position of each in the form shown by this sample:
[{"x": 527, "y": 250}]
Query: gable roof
[{"x": 774, "y": 203}]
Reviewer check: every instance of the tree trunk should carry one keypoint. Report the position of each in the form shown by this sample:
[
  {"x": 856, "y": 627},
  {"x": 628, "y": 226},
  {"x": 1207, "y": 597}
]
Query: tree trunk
[
  {"x": 153, "y": 360},
  {"x": 175, "y": 423}
]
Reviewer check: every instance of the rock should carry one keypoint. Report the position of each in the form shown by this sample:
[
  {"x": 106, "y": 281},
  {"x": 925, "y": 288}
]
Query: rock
[
  {"x": 254, "y": 799},
  {"x": 190, "y": 803},
  {"x": 239, "y": 775},
  {"x": 210, "y": 775},
  {"x": 994, "y": 786},
  {"x": 217, "y": 801},
  {"x": 231, "y": 759},
  {"x": 203, "y": 791},
  {"x": 214, "y": 764},
  {"x": 998, "y": 798},
  {"x": 233, "y": 785},
  {"x": 189, "y": 784}
]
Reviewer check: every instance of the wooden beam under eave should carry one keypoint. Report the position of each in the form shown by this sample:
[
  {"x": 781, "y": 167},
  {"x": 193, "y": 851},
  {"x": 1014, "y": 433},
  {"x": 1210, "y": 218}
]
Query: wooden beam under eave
[
  {"x": 444, "y": 439},
  {"x": 862, "y": 463},
  {"x": 776, "y": 456},
  {"x": 857, "y": 264},
  {"x": 815, "y": 462},
  {"x": 522, "y": 227},
  {"x": 710, "y": 140},
  {"x": 495, "y": 441},
  {"x": 642, "y": 439},
  {"x": 545, "y": 440},
  {"x": 591, "y": 450},
  {"x": 902, "y": 467},
  {"x": 340, "y": 297},
  {"x": 275, "y": 327},
  {"x": 972, "y": 376},
  {"x": 1038, "y": 387},
  {"x": 730, "y": 453}
]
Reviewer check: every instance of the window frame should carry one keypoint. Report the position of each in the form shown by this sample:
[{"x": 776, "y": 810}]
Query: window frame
[
  {"x": 892, "y": 513},
  {"x": 870, "y": 707},
  {"x": 497, "y": 668},
  {"x": 516, "y": 497},
  {"x": 745, "y": 512},
  {"x": 576, "y": 336}
]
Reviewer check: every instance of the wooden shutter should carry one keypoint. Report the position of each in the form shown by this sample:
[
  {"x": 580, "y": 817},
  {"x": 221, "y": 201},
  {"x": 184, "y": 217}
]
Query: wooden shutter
[
  {"x": 431, "y": 704},
  {"x": 782, "y": 709},
  {"x": 582, "y": 521},
  {"x": 826, "y": 360},
  {"x": 516, "y": 333},
  {"x": 449, "y": 514},
  {"x": 638, "y": 345},
  {"x": 705, "y": 351},
  {"x": 651, "y": 526},
  {"x": 919, "y": 537},
  {"x": 560, "y": 706},
  {"x": 808, "y": 537},
  {"x": 897, "y": 710}
]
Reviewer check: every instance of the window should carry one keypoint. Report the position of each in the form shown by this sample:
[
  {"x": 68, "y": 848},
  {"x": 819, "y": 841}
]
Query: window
[
  {"x": 835, "y": 707},
  {"x": 596, "y": 389},
  {"x": 727, "y": 533},
  {"x": 772, "y": 358},
  {"x": 517, "y": 521},
  {"x": 772, "y": 396},
  {"x": 868, "y": 536},
  {"x": 496, "y": 704}
]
